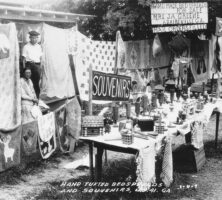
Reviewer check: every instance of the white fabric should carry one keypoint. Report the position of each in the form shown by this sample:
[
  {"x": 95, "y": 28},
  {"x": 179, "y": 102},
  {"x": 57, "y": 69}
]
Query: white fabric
[
  {"x": 27, "y": 91},
  {"x": 36, "y": 112},
  {"x": 197, "y": 134},
  {"x": 57, "y": 76},
  {"x": 32, "y": 52},
  {"x": 157, "y": 47},
  {"x": 146, "y": 168},
  {"x": 149, "y": 148},
  {"x": 46, "y": 126},
  {"x": 120, "y": 51},
  {"x": 10, "y": 97},
  {"x": 175, "y": 67}
]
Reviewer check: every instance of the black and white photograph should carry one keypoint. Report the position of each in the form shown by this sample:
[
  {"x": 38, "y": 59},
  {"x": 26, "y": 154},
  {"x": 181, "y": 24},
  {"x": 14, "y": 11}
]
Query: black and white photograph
[{"x": 110, "y": 99}]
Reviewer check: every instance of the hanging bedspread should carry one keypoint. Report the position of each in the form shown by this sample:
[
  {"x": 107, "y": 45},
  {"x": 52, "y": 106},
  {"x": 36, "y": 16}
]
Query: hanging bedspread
[
  {"x": 57, "y": 78},
  {"x": 167, "y": 164},
  {"x": 200, "y": 59},
  {"x": 10, "y": 143},
  {"x": 60, "y": 115},
  {"x": 100, "y": 54},
  {"x": 215, "y": 52},
  {"x": 139, "y": 54},
  {"x": 29, "y": 137},
  {"x": 73, "y": 118},
  {"x": 10, "y": 98},
  {"x": 212, "y": 56},
  {"x": 47, "y": 137},
  {"x": 146, "y": 169}
]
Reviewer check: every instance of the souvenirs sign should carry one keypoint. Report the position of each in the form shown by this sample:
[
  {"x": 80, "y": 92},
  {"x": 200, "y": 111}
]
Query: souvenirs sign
[
  {"x": 179, "y": 13},
  {"x": 110, "y": 87}
]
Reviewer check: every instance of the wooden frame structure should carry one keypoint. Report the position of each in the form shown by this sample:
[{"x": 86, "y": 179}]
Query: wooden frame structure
[{"x": 28, "y": 14}]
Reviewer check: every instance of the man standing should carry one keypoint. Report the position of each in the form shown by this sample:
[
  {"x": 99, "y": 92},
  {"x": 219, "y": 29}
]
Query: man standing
[{"x": 32, "y": 53}]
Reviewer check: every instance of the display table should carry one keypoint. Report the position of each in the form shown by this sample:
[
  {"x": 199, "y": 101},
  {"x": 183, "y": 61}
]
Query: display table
[
  {"x": 101, "y": 144},
  {"x": 116, "y": 145}
]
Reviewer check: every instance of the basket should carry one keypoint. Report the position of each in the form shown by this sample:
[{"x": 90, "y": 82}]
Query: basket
[
  {"x": 159, "y": 127},
  {"x": 127, "y": 138}
]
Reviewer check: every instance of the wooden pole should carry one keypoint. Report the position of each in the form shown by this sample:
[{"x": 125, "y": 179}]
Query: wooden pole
[
  {"x": 90, "y": 90},
  {"x": 217, "y": 128}
]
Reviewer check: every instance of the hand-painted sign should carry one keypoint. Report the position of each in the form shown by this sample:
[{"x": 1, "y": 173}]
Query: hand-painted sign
[
  {"x": 182, "y": 28},
  {"x": 110, "y": 87},
  {"x": 179, "y": 13}
]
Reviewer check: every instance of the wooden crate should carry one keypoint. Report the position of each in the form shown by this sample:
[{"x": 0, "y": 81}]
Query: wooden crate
[{"x": 188, "y": 159}]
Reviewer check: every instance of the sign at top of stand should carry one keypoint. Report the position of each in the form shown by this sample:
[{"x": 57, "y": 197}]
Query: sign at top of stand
[
  {"x": 110, "y": 87},
  {"x": 179, "y": 13}
]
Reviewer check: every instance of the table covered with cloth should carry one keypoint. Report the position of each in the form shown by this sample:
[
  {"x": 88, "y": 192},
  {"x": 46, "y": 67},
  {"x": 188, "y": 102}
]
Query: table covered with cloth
[{"x": 148, "y": 149}]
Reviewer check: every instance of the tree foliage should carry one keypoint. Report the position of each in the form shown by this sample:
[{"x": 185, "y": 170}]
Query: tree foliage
[{"x": 132, "y": 17}]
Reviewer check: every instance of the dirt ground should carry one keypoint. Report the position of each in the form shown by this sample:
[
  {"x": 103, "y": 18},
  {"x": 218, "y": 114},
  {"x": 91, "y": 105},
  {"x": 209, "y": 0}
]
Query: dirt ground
[{"x": 42, "y": 179}]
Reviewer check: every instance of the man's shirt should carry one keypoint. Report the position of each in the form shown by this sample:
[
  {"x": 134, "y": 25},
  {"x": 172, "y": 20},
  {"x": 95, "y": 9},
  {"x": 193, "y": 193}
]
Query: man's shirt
[{"x": 32, "y": 53}]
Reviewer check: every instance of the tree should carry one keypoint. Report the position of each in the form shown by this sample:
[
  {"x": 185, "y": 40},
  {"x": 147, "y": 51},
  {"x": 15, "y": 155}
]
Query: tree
[{"x": 132, "y": 17}]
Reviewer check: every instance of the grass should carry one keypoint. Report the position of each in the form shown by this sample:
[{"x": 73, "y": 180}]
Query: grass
[{"x": 120, "y": 168}]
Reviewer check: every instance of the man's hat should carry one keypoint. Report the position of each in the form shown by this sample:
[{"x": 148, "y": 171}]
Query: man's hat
[{"x": 33, "y": 33}]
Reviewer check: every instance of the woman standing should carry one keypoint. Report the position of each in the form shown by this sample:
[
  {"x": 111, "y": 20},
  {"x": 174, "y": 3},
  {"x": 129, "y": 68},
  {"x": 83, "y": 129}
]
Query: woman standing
[{"x": 28, "y": 96}]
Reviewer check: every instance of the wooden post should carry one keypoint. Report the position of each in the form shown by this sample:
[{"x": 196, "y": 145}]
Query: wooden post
[
  {"x": 91, "y": 161},
  {"x": 217, "y": 127},
  {"x": 90, "y": 90}
]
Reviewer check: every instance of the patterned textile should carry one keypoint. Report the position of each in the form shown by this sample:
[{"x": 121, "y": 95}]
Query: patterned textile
[
  {"x": 29, "y": 137},
  {"x": 200, "y": 59},
  {"x": 102, "y": 56},
  {"x": 10, "y": 98},
  {"x": 73, "y": 118},
  {"x": 146, "y": 167},
  {"x": 61, "y": 130},
  {"x": 139, "y": 54},
  {"x": 10, "y": 143},
  {"x": 57, "y": 78},
  {"x": 47, "y": 137},
  {"x": 98, "y": 53},
  {"x": 167, "y": 165},
  {"x": 46, "y": 126}
]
